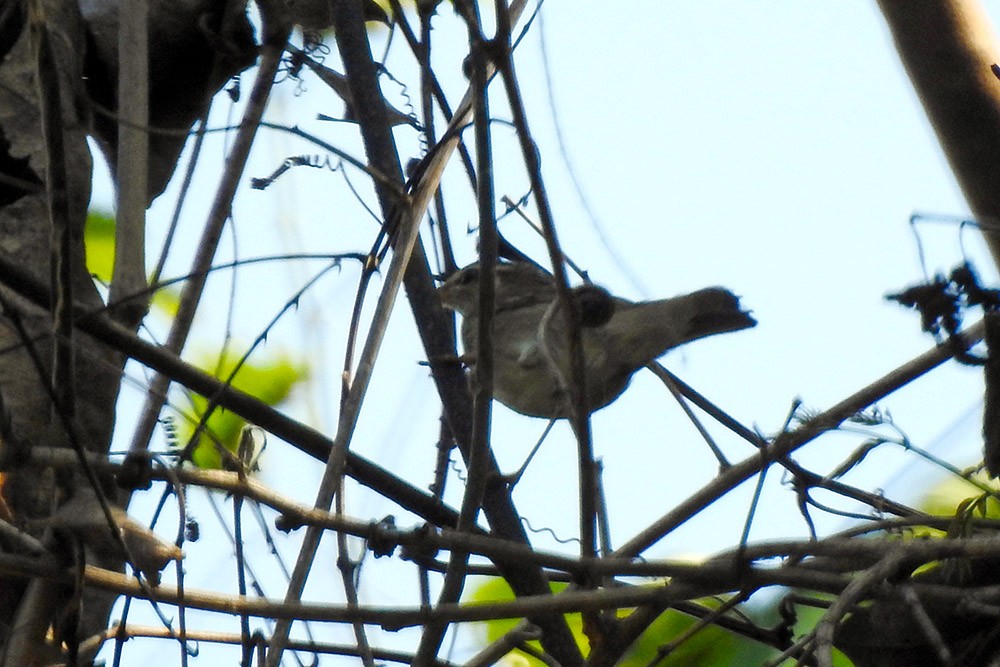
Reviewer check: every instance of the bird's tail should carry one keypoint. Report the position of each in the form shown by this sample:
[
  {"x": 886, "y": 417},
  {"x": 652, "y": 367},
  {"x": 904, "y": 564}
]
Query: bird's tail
[
  {"x": 653, "y": 327},
  {"x": 714, "y": 310}
]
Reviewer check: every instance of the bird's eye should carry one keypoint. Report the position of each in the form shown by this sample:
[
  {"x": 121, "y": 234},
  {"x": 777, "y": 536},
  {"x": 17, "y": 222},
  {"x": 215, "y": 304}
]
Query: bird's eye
[
  {"x": 468, "y": 277},
  {"x": 595, "y": 303}
]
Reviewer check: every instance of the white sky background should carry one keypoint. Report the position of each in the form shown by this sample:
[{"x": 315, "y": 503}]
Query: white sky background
[{"x": 775, "y": 148}]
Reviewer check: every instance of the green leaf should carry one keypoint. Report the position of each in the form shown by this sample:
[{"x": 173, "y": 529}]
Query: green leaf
[
  {"x": 496, "y": 589},
  {"x": 99, "y": 241},
  {"x": 270, "y": 379},
  {"x": 166, "y": 300},
  {"x": 952, "y": 495},
  {"x": 710, "y": 647}
]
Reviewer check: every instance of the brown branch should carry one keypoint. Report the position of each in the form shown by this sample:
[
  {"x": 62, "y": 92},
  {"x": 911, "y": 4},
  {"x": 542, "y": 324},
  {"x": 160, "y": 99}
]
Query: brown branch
[
  {"x": 481, "y": 385},
  {"x": 844, "y": 546},
  {"x": 202, "y": 636},
  {"x": 434, "y": 326},
  {"x": 389, "y": 618},
  {"x": 948, "y": 48},
  {"x": 801, "y": 475},
  {"x": 132, "y": 164},
  {"x": 513, "y": 639},
  {"x": 352, "y": 41},
  {"x": 856, "y": 591},
  {"x": 788, "y": 442},
  {"x": 250, "y": 408}
]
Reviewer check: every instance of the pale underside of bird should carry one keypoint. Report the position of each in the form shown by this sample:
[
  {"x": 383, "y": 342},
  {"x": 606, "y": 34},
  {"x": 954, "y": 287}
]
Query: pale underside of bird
[{"x": 531, "y": 353}]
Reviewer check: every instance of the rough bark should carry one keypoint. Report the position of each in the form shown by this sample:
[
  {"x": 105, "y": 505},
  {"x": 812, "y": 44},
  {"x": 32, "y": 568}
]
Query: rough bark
[{"x": 47, "y": 50}]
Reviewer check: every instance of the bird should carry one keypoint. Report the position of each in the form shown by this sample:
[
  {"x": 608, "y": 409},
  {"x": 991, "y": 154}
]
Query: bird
[{"x": 619, "y": 337}]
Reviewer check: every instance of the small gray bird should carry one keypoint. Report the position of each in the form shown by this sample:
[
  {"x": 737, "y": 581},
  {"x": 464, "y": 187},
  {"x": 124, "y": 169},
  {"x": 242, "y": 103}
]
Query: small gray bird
[{"x": 531, "y": 361}]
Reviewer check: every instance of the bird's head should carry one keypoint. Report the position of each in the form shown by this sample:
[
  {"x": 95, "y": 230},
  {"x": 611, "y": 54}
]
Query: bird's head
[{"x": 517, "y": 284}]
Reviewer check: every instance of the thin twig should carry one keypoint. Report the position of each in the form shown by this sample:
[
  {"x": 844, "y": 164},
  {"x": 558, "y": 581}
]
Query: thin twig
[
  {"x": 250, "y": 408},
  {"x": 857, "y": 590},
  {"x": 788, "y": 442},
  {"x": 432, "y": 322},
  {"x": 139, "y": 632},
  {"x": 275, "y": 36},
  {"x": 351, "y": 39},
  {"x": 492, "y": 653},
  {"x": 421, "y": 50},
  {"x": 700, "y": 624},
  {"x": 926, "y": 625},
  {"x": 348, "y": 571},
  {"x": 692, "y": 417}
]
